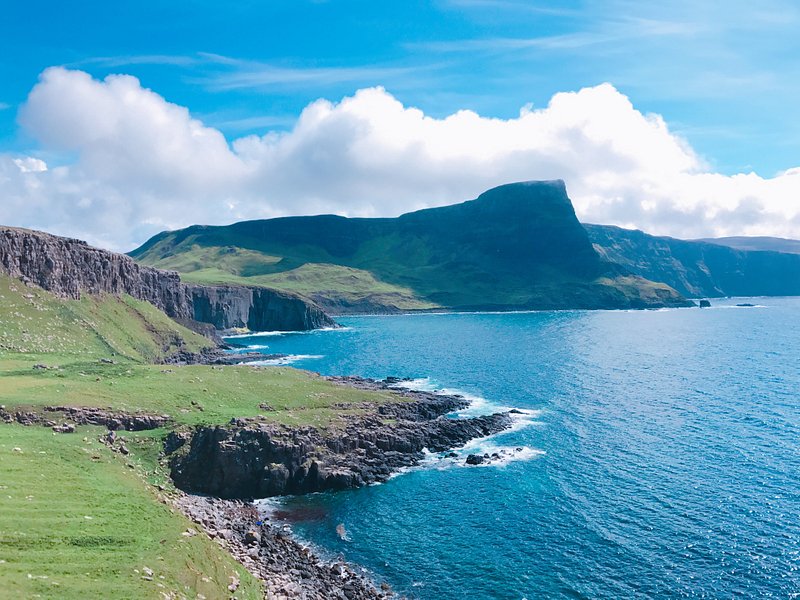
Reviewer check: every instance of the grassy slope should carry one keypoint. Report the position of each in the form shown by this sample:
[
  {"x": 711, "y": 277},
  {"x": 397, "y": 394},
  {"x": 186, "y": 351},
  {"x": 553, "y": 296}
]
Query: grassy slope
[
  {"x": 48, "y": 489},
  {"x": 33, "y": 320},
  {"x": 77, "y": 522},
  {"x": 221, "y": 265}
]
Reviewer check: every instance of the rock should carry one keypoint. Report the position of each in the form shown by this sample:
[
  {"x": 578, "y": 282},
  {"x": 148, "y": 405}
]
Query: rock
[
  {"x": 705, "y": 304},
  {"x": 475, "y": 459},
  {"x": 258, "y": 460},
  {"x": 252, "y": 537},
  {"x": 123, "y": 449},
  {"x": 255, "y": 308},
  {"x": 65, "y": 428}
]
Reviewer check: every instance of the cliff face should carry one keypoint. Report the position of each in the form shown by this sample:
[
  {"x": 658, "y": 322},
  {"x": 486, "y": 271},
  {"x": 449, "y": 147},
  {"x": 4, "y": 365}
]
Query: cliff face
[
  {"x": 69, "y": 267},
  {"x": 257, "y": 309},
  {"x": 697, "y": 268}
]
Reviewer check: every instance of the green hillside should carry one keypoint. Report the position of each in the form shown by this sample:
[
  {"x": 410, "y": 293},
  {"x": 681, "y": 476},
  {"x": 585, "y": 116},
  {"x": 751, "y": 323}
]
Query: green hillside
[{"x": 518, "y": 246}]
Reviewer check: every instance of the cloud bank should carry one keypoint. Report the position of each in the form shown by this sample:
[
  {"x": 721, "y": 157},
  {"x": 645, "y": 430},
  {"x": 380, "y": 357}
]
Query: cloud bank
[{"x": 129, "y": 164}]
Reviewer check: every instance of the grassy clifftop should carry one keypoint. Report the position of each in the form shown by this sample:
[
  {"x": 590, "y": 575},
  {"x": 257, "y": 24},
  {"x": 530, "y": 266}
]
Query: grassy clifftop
[{"x": 518, "y": 246}]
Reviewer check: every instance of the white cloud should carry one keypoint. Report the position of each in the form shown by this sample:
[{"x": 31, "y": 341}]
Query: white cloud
[{"x": 135, "y": 164}]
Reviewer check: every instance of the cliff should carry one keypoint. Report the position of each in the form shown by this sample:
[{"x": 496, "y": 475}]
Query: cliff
[
  {"x": 69, "y": 267},
  {"x": 698, "y": 268},
  {"x": 517, "y": 246},
  {"x": 257, "y": 309}
]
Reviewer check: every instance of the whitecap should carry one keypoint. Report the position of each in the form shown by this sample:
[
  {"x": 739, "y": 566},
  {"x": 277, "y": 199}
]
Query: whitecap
[
  {"x": 283, "y": 360},
  {"x": 249, "y": 334}
]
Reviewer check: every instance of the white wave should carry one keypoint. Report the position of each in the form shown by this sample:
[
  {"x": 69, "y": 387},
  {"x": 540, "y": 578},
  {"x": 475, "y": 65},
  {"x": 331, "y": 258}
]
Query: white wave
[
  {"x": 237, "y": 336},
  {"x": 283, "y": 360},
  {"x": 499, "y": 456},
  {"x": 478, "y": 405},
  {"x": 248, "y": 348}
]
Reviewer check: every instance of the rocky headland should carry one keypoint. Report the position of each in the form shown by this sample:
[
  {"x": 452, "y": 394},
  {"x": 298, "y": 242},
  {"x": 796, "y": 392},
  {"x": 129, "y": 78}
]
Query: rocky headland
[{"x": 253, "y": 458}]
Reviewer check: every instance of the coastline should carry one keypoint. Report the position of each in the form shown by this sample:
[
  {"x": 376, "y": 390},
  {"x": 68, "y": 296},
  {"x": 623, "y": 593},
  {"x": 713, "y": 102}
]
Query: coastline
[{"x": 289, "y": 568}]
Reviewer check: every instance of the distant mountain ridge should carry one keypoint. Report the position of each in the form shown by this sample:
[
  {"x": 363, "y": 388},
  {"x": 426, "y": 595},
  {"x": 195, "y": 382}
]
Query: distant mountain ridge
[
  {"x": 764, "y": 243},
  {"x": 701, "y": 268},
  {"x": 516, "y": 246}
]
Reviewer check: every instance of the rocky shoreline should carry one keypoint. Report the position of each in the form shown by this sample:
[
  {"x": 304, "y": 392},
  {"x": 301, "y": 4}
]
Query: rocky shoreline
[
  {"x": 253, "y": 458},
  {"x": 288, "y": 569}
]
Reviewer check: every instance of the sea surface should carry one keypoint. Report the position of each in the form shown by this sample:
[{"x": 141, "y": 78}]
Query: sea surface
[{"x": 661, "y": 454}]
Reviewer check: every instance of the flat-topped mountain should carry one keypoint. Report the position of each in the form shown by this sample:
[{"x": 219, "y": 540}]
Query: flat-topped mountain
[
  {"x": 517, "y": 246},
  {"x": 700, "y": 268}
]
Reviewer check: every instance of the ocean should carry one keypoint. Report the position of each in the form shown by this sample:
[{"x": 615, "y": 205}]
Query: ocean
[{"x": 660, "y": 456}]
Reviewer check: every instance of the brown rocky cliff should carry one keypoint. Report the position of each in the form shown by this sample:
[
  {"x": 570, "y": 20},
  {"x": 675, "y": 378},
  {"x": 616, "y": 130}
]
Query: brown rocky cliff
[{"x": 69, "y": 267}]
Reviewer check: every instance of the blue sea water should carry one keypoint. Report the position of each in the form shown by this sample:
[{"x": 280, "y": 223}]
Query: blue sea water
[{"x": 662, "y": 456}]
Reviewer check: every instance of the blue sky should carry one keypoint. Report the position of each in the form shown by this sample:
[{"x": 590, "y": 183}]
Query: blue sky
[
  {"x": 718, "y": 79},
  {"x": 725, "y": 75}
]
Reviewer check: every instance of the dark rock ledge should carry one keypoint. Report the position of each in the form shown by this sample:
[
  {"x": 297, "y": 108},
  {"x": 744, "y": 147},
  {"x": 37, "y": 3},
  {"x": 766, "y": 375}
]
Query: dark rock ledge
[{"x": 249, "y": 458}]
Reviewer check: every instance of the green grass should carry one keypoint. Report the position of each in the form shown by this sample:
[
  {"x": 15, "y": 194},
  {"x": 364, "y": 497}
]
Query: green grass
[
  {"x": 326, "y": 283},
  {"x": 77, "y": 522},
  {"x": 33, "y": 321},
  {"x": 191, "y": 395}
]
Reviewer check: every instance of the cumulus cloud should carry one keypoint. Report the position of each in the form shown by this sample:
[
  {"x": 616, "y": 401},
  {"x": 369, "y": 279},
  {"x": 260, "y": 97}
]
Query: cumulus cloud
[{"x": 133, "y": 164}]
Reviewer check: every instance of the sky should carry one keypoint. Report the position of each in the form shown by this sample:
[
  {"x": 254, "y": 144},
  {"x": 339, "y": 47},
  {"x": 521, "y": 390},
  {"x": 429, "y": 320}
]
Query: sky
[{"x": 120, "y": 120}]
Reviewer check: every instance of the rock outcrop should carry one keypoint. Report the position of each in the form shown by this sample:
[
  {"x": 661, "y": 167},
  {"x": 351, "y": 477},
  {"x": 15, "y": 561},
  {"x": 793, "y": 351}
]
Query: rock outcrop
[
  {"x": 69, "y": 267},
  {"x": 252, "y": 459}
]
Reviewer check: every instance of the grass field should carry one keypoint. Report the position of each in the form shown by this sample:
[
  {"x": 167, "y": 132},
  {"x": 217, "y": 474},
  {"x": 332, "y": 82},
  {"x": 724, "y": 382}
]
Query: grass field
[
  {"x": 77, "y": 522},
  {"x": 80, "y": 521},
  {"x": 33, "y": 321}
]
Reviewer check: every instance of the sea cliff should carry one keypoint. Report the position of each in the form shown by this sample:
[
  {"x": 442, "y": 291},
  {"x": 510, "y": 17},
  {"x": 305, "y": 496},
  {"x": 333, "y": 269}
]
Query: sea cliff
[{"x": 69, "y": 267}]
